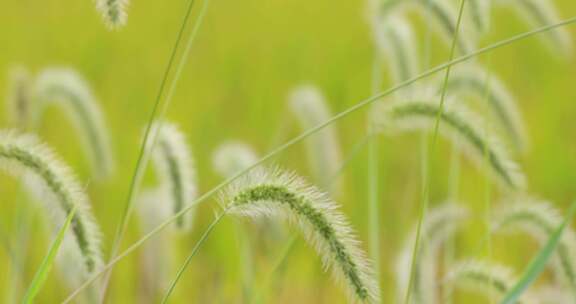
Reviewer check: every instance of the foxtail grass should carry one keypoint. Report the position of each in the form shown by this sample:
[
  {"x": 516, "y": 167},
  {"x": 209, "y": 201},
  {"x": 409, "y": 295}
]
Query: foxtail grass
[
  {"x": 113, "y": 12},
  {"x": 443, "y": 16},
  {"x": 275, "y": 193},
  {"x": 71, "y": 92},
  {"x": 439, "y": 226},
  {"x": 456, "y": 123},
  {"x": 52, "y": 182},
  {"x": 274, "y": 152},
  {"x": 542, "y": 12},
  {"x": 19, "y": 100},
  {"x": 233, "y": 157},
  {"x": 396, "y": 40},
  {"x": 539, "y": 219},
  {"x": 471, "y": 81},
  {"x": 175, "y": 168},
  {"x": 490, "y": 280},
  {"x": 310, "y": 108}
]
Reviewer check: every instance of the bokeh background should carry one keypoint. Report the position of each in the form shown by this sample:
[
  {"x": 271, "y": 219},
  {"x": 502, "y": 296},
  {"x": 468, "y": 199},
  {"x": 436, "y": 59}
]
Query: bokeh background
[{"x": 247, "y": 57}]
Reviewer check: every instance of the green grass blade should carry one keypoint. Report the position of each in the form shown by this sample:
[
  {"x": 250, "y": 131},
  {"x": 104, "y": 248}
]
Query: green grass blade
[
  {"x": 48, "y": 261},
  {"x": 539, "y": 262}
]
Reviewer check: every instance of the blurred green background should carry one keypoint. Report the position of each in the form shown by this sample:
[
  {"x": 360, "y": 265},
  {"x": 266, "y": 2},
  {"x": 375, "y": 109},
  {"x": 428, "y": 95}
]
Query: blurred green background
[{"x": 247, "y": 57}]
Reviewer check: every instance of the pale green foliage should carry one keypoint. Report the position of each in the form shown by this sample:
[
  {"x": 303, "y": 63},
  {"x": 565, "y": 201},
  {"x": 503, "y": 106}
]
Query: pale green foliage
[
  {"x": 274, "y": 193},
  {"x": 51, "y": 181},
  {"x": 540, "y": 219},
  {"x": 175, "y": 169},
  {"x": 485, "y": 278},
  {"x": 113, "y": 12},
  {"x": 458, "y": 124},
  {"x": 311, "y": 109},
  {"x": 440, "y": 225},
  {"x": 71, "y": 92}
]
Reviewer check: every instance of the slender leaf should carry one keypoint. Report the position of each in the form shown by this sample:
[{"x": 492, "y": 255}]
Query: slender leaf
[{"x": 42, "y": 272}]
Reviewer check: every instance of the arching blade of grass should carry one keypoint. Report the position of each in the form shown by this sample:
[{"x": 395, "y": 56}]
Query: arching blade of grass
[
  {"x": 539, "y": 262},
  {"x": 304, "y": 135},
  {"x": 48, "y": 261},
  {"x": 426, "y": 191}
]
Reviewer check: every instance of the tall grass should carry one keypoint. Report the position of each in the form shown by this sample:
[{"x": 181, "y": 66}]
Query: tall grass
[{"x": 304, "y": 135}]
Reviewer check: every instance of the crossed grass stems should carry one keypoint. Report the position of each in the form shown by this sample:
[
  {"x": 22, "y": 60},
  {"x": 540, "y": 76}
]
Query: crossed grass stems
[{"x": 160, "y": 108}]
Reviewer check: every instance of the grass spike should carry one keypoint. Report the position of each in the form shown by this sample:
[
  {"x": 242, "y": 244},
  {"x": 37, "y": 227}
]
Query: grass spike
[
  {"x": 175, "y": 168},
  {"x": 479, "y": 11},
  {"x": 71, "y": 92},
  {"x": 443, "y": 16},
  {"x": 113, "y": 12},
  {"x": 458, "y": 123},
  {"x": 540, "y": 219},
  {"x": 275, "y": 193},
  {"x": 492, "y": 280},
  {"x": 439, "y": 226},
  {"x": 311, "y": 109},
  {"x": 470, "y": 80},
  {"x": 19, "y": 100},
  {"x": 396, "y": 40},
  {"x": 232, "y": 157},
  {"x": 51, "y": 181},
  {"x": 543, "y": 12}
]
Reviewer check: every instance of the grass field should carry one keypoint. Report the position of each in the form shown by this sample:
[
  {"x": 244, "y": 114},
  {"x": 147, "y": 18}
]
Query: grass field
[{"x": 246, "y": 59}]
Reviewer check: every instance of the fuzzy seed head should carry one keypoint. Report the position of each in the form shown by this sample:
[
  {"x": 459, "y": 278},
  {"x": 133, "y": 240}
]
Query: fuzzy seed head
[
  {"x": 68, "y": 90},
  {"x": 396, "y": 39},
  {"x": 492, "y": 280},
  {"x": 113, "y": 12},
  {"x": 175, "y": 169},
  {"x": 274, "y": 193},
  {"x": 310, "y": 108},
  {"x": 457, "y": 123},
  {"x": 440, "y": 224},
  {"x": 52, "y": 182},
  {"x": 19, "y": 100},
  {"x": 471, "y": 81},
  {"x": 233, "y": 157},
  {"x": 540, "y": 219}
]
